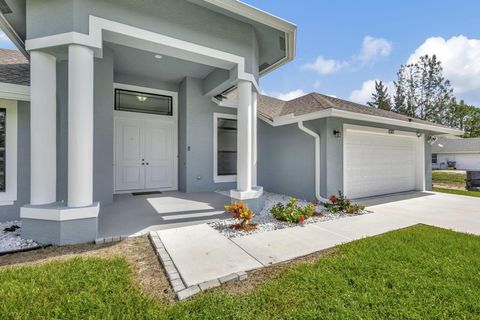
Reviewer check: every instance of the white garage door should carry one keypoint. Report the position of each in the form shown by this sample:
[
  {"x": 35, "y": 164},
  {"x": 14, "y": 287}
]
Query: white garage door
[{"x": 378, "y": 163}]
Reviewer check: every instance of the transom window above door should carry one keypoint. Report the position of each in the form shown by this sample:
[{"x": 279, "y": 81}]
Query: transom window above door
[{"x": 142, "y": 102}]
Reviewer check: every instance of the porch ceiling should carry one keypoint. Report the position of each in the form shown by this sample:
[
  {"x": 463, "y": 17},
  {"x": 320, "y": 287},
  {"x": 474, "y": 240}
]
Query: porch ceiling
[{"x": 140, "y": 63}]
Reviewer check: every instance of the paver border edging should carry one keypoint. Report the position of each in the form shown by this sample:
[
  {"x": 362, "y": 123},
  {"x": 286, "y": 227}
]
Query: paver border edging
[{"x": 181, "y": 290}]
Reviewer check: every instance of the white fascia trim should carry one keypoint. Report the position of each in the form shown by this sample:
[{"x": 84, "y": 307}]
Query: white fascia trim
[
  {"x": 94, "y": 40},
  {"x": 280, "y": 121},
  {"x": 316, "y": 136},
  {"x": 216, "y": 177},
  {"x": 245, "y": 10},
  {"x": 14, "y": 92}
]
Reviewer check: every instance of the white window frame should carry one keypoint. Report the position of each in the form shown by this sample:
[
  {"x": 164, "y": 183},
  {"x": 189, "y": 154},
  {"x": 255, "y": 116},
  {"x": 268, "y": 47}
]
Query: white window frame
[
  {"x": 9, "y": 196},
  {"x": 216, "y": 177}
]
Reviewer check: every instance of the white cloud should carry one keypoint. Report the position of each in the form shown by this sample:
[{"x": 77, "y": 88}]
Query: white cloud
[
  {"x": 364, "y": 94},
  {"x": 460, "y": 57},
  {"x": 325, "y": 66},
  {"x": 373, "y": 48},
  {"x": 289, "y": 95},
  {"x": 317, "y": 84}
]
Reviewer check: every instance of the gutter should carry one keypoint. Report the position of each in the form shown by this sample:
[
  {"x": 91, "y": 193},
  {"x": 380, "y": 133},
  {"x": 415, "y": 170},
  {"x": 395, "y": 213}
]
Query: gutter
[
  {"x": 290, "y": 118},
  {"x": 316, "y": 136}
]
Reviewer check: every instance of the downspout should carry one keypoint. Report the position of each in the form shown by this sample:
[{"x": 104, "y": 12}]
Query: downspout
[{"x": 317, "y": 160}]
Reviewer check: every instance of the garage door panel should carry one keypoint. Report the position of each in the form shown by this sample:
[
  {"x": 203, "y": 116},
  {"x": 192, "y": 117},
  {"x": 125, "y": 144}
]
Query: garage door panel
[{"x": 378, "y": 164}]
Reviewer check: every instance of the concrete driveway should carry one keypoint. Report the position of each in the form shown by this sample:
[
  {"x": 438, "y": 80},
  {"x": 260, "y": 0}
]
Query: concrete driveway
[
  {"x": 459, "y": 213},
  {"x": 202, "y": 256}
]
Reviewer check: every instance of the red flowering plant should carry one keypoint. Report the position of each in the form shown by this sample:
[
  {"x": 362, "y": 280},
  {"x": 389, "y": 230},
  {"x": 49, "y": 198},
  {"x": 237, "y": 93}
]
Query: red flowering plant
[
  {"x": 333, "y": 198},
  {"x": 243, "y": 213},
  {"x": 342, "y": 204}
]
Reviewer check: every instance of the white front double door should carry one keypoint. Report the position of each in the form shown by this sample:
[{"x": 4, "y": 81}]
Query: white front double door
[{"x": 144, "y": 154}]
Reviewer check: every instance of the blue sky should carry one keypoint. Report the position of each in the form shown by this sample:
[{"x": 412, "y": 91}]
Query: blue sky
[
  {"x": 335, "y": 30},
  {"x": 344, "y": 45}
]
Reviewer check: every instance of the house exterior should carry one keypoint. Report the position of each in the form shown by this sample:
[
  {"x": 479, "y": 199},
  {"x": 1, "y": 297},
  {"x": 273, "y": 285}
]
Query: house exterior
[
  {"x": 163, "y": 95},
  {"x": 464, "y": 152}
]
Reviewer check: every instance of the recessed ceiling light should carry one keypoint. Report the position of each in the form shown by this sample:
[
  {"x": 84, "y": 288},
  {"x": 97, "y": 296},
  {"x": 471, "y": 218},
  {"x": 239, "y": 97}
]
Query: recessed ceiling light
[{"x": 158, "y": 56}]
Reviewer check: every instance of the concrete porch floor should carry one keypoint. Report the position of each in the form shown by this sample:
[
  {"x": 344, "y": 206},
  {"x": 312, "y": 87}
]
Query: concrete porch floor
[{"x": 134, "y": 215}]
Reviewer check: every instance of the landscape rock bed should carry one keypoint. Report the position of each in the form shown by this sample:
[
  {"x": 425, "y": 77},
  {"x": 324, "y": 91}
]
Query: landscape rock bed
[
  {"x": 267, "y": 222},
  {"x": 11, "y": 241}
]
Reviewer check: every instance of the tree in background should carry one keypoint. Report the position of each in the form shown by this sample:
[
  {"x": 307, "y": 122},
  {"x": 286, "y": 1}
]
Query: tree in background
[
  {"x": 464, "y": 117},
  {"x": 380, "y": 98},
  {"x": 422, "y": 92}
]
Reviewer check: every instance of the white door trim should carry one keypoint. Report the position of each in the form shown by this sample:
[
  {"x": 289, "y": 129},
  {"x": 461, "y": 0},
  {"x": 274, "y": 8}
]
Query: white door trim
[
  {"x": 420, "y": 151},
  {"x": 143, "y": 116}
]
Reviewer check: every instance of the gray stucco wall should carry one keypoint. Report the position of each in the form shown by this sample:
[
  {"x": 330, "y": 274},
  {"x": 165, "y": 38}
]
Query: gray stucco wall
[
  {"x": 196, "y": 139},
  {"x": 23, "y": 164},
  {"x": 286, "y": 160},
  {"x": 286, "y": 157},
  {"x": 176, "y": 18}
]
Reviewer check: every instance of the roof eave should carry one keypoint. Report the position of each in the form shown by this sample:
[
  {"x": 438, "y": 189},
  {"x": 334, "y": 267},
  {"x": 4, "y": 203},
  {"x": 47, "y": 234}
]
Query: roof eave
[
  {"x": 331, "y": 112},
  {"x": 13, "y": 35},
  {"x": 263, "y": 17}
]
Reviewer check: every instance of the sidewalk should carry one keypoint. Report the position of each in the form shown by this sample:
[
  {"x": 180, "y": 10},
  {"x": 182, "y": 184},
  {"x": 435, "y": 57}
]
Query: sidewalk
[{"x": 204, "y": 258}]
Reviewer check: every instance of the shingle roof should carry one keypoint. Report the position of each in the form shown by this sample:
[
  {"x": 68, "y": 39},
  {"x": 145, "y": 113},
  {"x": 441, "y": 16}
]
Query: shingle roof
[
  {"x": 446, "y": 145},
  {"x": 314, "y": 102},
  {"x": 14, "y": 67}
]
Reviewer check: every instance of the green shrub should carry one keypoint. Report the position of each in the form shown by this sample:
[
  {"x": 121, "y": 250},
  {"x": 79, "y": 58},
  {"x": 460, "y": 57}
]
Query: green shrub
[
  {"x": 292, "y": 212},
  {"x": 342, "y": 204}
]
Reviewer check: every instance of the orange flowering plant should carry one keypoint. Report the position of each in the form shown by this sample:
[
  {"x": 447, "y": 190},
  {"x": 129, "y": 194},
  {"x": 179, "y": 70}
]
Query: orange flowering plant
[{"x": 241, "y": 212}]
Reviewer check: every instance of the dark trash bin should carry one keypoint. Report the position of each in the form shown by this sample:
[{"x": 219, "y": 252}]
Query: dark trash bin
[{"x": 473, "y": 180}]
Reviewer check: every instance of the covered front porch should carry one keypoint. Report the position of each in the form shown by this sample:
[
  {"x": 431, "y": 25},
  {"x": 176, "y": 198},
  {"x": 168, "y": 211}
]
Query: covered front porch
[
  {"x": 131, "y": 215},
  {"x": 133, "y": 111}
]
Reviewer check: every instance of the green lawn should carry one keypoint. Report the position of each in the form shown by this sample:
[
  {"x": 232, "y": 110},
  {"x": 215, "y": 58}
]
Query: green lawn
[
  {"x": 448, "y": 177},
  {"x": 459, "y": 192},
  {"x": 417, "y": 273}
]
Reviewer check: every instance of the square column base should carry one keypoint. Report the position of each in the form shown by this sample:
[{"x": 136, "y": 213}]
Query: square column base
[
  {"x": 254, "y": 198},
  {"x": 60, "y": 225}
]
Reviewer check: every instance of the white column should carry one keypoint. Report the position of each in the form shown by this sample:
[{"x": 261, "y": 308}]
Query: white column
[
  {"x": 43, "y": 128},
  {"x": 254, "y": 138},
  {"x": 244, "y": 140},
  {"x": 80, "y": 126}
]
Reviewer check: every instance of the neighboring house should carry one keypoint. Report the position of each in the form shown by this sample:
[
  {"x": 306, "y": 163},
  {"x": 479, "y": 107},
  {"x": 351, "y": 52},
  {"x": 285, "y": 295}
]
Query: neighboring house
[
  {"x": 162, "y": 95},
  {"x": 464, "y": 152}
]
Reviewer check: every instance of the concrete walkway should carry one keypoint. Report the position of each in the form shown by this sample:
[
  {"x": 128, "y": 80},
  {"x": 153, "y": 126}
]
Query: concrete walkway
[{"x": 202, "y": 254}]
